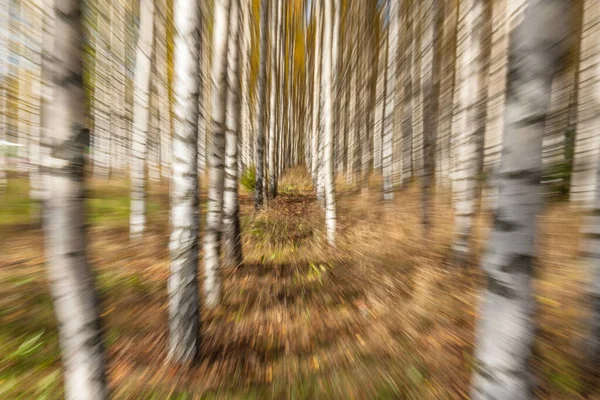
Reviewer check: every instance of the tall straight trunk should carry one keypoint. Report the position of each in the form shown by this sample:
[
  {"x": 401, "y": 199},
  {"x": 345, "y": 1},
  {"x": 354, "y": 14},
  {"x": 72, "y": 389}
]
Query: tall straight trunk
[
  {"x": 117, "y": 139},
  {"x": 273, "y": 109},
  {"x": 428, "y": 68},
  {"x": 184, "y": 313},
  {"x": 214, "y": 216},
  {"x": 591, "y": 252},
  {"x": 262, "y": 103},
  {"x": 330, "y": 211},
  {"x": 469, "y": 90},
  {"x": 505, "y": 13},
  {"x": 316, "y": 97},
  {"x": 232, "y": 240},
  {"x": 505, "y": 329},
  {"x": 587, "y": 139},
  {"x": 101, "y": 100},
  {"x": 141, "y": 99},
  {"x": 389, "y": 101},
  {"x": 448, "y": 72},
  {"x": 72, "y": 283},
  {"x": 407, "y": 109}
]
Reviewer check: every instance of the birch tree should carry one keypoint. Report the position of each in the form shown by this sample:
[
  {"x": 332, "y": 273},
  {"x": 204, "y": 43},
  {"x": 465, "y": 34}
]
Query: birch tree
[
  {"x": 184, "y": 314},
  {"x": 587, "y": 139},
  {"x": 72, "y": 284},
  {"x": 389, "y": 101},
  {"x": 505, "y": 329},
  {"x": 140, "y": 119},
  {"x": 428, "y": 69},
  {"x": 214, "y": 216},
  {"x": 330, "y": 211},
  {"x": 262, "y": 103},
  {"x": 232, "y": 240},
  {"x": 468, "y": 92}
]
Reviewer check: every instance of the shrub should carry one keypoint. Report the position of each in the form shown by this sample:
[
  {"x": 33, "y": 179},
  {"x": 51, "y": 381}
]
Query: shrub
[{"x": 248, "y": 178}]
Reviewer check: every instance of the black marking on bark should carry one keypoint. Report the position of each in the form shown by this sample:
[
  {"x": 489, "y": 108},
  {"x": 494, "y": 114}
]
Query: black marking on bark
[
  {"x": 502, "y": 224},
  {"x": 499, "y": 288},
  {"x": 520, "y": 264}
]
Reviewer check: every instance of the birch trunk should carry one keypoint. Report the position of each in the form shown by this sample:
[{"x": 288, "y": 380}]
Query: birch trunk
[
  {"x": 184, "y": 313},
  {"x": 71, "y": 279},
  {"x": 389, "y": 101},
  {"x": 428, "y": 68},
  {"x": 272, "y": 191},
  {"x": 587, "y": 139},
  {"x": 214, "y": 216},
  {"x": 330, "y": 211},
  {"x": 505, "y": 330},
  {"x": 262, "y": 103},
  {"x": 469, "y": 90},
  {"x": 141, "y": 96},
  {"x": 232, "y": 240}
]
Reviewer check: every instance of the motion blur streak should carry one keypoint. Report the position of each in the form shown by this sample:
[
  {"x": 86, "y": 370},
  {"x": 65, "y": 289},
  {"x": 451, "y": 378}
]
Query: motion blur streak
[{"x": 299, "y": 199}]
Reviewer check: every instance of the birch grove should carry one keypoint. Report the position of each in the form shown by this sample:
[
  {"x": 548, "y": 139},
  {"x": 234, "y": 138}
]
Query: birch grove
[{"x": 212, "y": 198}]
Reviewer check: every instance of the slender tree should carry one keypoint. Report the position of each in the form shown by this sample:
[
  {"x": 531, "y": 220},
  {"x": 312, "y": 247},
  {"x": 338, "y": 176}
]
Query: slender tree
[
  {"x": 469, "y": 89},
  {"x": 184, "y": 315},
  {"x": 262, "y": 103},
  {"x": 140, "y": 119},
  {"x": 71, "y": 280},
  {"x": 505, "y": 330},
  {"x": 232, "y": 240},
  {"x": 214, "y": 215},
  {"x": 330, "y": 209}
]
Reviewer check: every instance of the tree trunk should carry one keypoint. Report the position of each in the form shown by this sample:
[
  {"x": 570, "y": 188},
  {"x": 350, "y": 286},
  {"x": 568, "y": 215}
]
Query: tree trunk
[
  {"x": 214, "y": 216},
  {"x": 140, "y": 120},
  {"x": 505, "y": 330},
  {"x": 262, "y": 103},
  {"x": 469, "y": 90},
  {"x": 71, "y": 279},
  {"x": 184, "y": 314},
  {"x": 330, "y": 211},
  {"x": 232, "y": 240}
]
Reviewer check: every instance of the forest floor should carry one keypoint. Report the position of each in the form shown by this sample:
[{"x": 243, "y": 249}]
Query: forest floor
[{"x": 383, "y": 316}]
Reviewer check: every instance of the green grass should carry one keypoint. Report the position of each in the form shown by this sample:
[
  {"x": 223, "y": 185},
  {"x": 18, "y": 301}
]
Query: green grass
[{"x": 105, "y": 207}]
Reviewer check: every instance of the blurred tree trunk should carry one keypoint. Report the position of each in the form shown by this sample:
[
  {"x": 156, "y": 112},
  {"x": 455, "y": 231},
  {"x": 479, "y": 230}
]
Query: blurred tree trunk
[
  {"x": 184, "y": 314},
  {"x": 316, "y": 98},
  {"x": 214, "y": 216},
  {"x": 407, "y": 118},
  {"x": 505, "y": 331},
  {"x": 469, "y": 91},
  {"x": 232, "y": 240},
  {"x": 389, "y": 100},
  {"x": 587, "y": 139},
  {"x": 429, "y": 95},
  {"x": 330, "y": 207},
  {"x": 273, "y": 109},
  {"x": 101, "y": 101},
  {"x": 141, "y": 106},
  {"x": 71, "y": 279},
  {"x": 262, "y": 103}
]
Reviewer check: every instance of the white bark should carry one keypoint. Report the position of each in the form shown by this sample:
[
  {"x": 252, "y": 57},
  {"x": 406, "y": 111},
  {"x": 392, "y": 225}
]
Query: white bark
[
  {"x": 71, "y": 280},
  {"x": 232, "y": 240},
  {"x": 214, "y": 216},
  {"x": 330, "y": 211},
  {"x": 262, "y": 103},
  {"x": 469, "y": 90},
  {"x": 184, "y": 316},
  {"x": 505, "y": 330},
  {"x": 316, "y": 97},
  {"x": 140, "y": 119},
  {"x": 587, "y": 139},
  {"x": 390, "y": 101}
]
